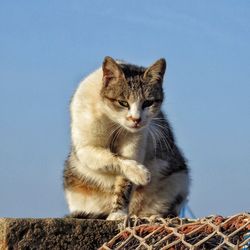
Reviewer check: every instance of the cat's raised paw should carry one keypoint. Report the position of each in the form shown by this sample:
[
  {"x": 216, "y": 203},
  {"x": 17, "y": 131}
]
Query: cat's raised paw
[{"x": 137, "y": 173}]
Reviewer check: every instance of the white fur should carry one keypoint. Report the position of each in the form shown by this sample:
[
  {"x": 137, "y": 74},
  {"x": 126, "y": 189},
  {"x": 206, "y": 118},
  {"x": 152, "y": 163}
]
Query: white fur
[
  {"x": 135, "y": 110},
  {"x": 91, "y": 127},
  {"x": 94, "y": 204}
]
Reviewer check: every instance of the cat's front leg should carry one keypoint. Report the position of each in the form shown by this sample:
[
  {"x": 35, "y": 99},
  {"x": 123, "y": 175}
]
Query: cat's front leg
[
  {"x": 133, "y": 150},
  {"x": 133, "y": 153},
  {"x": 121, "y": 199},
  {"x": 102, "y": 160}
]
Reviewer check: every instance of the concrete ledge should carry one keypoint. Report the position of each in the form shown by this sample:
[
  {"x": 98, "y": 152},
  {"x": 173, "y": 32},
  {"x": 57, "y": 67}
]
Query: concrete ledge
[
  {"x": 55, "y": 233},
  {"x": 231, "y": 232}
]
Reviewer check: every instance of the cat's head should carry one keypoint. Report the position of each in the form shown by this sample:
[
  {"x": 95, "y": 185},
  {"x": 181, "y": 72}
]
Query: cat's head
[{"x": 132, "y": 95}]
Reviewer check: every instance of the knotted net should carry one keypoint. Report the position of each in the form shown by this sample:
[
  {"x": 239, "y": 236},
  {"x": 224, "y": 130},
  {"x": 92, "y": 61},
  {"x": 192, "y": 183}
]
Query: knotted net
[{"x": 214, "y": 232}]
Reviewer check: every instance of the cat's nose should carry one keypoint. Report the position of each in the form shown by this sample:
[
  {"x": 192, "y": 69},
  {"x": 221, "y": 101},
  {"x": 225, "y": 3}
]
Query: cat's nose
[{"x": 136, "y": 120}]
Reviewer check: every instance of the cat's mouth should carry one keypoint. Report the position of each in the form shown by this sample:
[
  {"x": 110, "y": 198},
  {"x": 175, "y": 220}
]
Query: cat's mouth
[{"x": 135, "y": 127}]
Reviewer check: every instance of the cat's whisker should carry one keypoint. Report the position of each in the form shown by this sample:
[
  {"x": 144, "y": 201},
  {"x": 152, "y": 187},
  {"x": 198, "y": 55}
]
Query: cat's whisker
[
  {"x": 117, "y": 134},
  {"x": 165, "y": 140},
  {"x": 158, "y": 119},
  {"x": 120, "y": 131},
  {"x": 113, "y": 130},
  {"x": 163, "y": 126},
  {"x": 159, "y": 137},
  {"x": 113, "y": 137},
  {"x": 161, "y": 130},
  {"x": 153, "y": 139}
]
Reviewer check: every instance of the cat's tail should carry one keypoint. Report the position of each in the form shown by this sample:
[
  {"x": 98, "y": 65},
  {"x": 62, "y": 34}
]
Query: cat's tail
[{"x": 83, "y": 215}]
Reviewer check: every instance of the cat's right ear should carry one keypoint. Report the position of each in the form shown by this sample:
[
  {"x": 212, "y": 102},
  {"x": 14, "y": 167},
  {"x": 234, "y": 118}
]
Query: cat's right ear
[{"x": 111, "y": 70}]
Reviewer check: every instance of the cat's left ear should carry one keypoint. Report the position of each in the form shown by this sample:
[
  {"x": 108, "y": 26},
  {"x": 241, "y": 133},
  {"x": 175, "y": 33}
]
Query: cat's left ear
[{"x": 156, "y": 71}]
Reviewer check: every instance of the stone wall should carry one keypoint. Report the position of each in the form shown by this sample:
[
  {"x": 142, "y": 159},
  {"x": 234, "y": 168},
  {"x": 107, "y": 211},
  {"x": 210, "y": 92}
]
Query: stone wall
[{"x": 55, "y": 233}]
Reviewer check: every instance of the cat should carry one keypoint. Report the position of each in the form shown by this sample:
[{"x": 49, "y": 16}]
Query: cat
[{"x": 123, "y": 159}]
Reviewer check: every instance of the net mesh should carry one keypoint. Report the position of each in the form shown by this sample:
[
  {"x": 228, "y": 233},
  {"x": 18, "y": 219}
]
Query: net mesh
[{"x": 214, "y": 232}]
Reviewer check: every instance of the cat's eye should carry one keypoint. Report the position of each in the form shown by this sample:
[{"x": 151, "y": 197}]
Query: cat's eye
[
  {"x": 147, "y": 103},
  {"x": 123, "y": 104}
]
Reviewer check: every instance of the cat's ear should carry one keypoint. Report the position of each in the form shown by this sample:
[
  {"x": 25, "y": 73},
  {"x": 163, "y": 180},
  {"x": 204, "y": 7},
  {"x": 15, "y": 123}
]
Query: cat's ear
[
  {"x": 156, "y": 71},
  {"x": 111, "y": 70}
]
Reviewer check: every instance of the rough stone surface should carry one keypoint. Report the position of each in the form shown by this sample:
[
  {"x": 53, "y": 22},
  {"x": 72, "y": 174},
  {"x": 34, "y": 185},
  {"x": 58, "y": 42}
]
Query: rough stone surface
[{"x": 55, "y": 233}]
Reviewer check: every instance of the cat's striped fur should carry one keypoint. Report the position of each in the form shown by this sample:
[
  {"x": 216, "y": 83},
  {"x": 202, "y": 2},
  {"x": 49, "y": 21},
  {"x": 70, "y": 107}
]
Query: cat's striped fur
[{"x": 123, "y": 159}]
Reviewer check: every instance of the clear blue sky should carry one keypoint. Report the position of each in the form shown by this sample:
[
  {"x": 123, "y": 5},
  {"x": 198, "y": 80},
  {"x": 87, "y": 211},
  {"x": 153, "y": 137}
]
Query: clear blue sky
[{"x": 47, "y": 47}]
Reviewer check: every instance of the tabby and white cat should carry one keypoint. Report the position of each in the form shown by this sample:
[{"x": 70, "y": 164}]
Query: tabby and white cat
[{"x": 123, "y": 159}]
